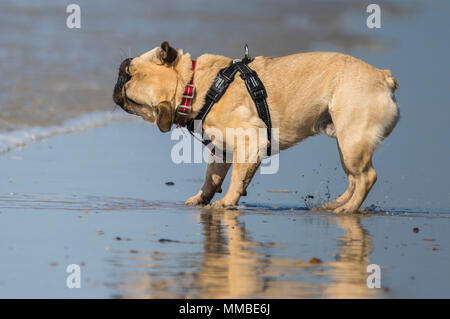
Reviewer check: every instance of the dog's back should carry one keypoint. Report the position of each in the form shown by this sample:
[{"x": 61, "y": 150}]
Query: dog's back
[{"x": 307, "y": 92}]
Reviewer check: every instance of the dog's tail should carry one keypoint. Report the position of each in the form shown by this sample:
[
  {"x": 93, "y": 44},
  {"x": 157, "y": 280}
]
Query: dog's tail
[
  {"x": 390, "y": 80},
  {"x": 392, "y": 109}
]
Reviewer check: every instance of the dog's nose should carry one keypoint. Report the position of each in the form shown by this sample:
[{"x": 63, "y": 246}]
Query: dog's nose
[
  {"x": 117, "y": 96},
  {"x": 122, "y": 78}
]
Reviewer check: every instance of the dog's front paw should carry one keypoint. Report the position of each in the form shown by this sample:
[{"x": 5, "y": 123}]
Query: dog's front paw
[
  {"x": 195, "y": 200},
  {"x": 222, "y": 203}
]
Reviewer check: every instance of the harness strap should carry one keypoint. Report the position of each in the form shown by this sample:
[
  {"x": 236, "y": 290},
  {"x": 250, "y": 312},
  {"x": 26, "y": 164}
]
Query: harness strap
[
  {"x": 258, "y": 93},
  {"x": 218, "y": 88},
  {"x": 188, "y": 95}
]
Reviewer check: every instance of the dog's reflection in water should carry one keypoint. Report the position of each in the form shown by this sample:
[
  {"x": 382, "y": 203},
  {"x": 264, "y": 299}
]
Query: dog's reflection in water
[
  {"x": 233, "y": 269},
  {"x": 349, "y": 270},
  {"x": 232, "y": 265}
]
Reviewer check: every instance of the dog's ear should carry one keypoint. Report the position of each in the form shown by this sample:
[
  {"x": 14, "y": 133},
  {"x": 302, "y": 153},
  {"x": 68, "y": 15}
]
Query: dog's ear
[
  {"x": 163, "y": 54},
  {"x": 164, "y": 116},
  {"x": 167, "y": 54}
]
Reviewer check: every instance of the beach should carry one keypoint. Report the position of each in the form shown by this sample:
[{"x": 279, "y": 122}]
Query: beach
[
  {"x": 86, "y": 185},
  {"x": 81, "y": 199}
]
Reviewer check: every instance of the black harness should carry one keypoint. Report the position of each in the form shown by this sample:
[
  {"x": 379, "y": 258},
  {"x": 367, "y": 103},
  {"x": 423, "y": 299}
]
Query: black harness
[{"x": 223, "y": 79}]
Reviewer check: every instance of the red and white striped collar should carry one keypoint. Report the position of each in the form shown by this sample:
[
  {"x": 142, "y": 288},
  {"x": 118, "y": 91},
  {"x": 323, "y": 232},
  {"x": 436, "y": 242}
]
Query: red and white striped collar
[{"x": 188, "y": 96}]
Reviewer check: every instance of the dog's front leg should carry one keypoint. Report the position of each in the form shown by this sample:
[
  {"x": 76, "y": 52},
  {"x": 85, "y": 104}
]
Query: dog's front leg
[
  {"x": 215, "y": 174},
  {"x": 241, "y": 177}
]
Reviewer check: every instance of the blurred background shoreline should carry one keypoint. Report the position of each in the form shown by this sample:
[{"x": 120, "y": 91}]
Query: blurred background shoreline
[{"x": 52, "y": 73}]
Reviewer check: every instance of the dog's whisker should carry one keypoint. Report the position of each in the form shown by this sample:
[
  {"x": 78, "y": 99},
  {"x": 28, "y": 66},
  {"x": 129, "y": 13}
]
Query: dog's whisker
[{"x": 123, "y": 53}]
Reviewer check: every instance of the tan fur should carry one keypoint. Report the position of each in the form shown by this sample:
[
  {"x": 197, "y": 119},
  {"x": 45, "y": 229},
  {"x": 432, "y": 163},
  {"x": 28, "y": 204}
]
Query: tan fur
[{"x": 301, "y": 88}]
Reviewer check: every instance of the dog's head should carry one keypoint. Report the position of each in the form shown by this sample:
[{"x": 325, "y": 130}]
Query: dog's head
[{"x": 146, "y": 85}]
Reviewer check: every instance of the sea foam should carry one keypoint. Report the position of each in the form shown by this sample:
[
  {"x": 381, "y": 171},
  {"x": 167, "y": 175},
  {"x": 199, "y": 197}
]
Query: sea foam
[{"x": 19, "y": 138}]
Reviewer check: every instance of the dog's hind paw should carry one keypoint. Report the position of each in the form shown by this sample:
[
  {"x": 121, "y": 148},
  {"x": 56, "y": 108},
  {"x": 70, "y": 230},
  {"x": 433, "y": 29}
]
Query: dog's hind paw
[
  {"x": 345, "y": 210},
  {"x": 332, "y": 205}
]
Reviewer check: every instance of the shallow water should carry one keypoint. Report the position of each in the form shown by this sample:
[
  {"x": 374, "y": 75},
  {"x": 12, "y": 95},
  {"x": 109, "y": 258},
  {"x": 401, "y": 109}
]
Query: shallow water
[
  {"x": 166, "y": 250},
  {"x": 80, "y": 199},
  {"x": 67, "y": 198}
]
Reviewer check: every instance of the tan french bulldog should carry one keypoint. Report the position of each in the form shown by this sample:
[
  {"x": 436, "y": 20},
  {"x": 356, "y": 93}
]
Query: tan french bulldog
[{"x": 307, "y": 94}]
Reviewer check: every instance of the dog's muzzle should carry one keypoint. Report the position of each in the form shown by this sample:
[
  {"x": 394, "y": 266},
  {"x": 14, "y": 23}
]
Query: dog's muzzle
[{"x": 123, "y": 78}]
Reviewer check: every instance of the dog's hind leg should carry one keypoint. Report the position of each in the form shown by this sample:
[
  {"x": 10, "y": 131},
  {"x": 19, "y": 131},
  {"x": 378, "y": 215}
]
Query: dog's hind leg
[
  {"x": 362, "y": 176},
  {"x": 215, "y": 174},
  {"x": 344, "y": 198},
  {"x": 364, "y": 112},
  {"x": 357, "y": 134}
]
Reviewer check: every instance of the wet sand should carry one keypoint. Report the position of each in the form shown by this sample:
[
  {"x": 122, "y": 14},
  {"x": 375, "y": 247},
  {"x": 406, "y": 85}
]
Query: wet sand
[{"x": 99, "y": 199}]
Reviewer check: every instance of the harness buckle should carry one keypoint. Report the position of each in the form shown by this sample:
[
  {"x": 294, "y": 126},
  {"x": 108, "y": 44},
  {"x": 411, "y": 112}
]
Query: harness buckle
[
  {"x": 219, "y": 86},
  {"x": 254, "y": 86},
  {"x": 213, "y": 95},
  {"x": 183, "y": 109},
  {"x": 259, "y": 94},
  {"x": 190, "y": 93}
]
